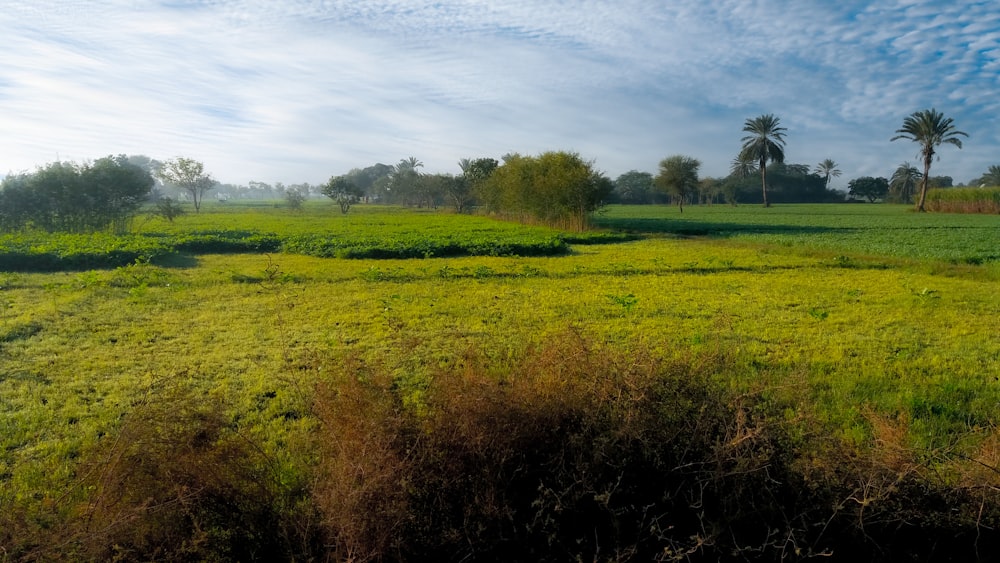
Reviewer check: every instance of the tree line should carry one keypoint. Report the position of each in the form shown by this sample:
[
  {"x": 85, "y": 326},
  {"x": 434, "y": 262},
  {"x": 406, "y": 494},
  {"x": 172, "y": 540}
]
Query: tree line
[{"x": 559, "y": 188}]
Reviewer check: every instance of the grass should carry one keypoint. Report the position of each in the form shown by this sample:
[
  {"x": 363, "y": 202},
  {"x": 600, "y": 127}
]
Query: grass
[
  {"x": 883, "y": 351},
  {"x": 861, "y": 229}
]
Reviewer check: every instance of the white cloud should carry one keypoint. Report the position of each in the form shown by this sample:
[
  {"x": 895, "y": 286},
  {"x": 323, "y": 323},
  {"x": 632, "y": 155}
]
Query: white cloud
[{"x": 299, "y": 90}]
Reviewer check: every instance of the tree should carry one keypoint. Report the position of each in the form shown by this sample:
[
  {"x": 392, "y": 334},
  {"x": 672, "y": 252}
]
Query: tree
[
  {"x": 867, "y": 187},
  {"x": 679, "y": 177},
  {"x": 634, "y": 187},
  {"x": 764, "y": 143},
  {"x": 63, "y": 196},
  {"x": 940, "y": 182},
  {"x": 743, "y": 166},
  {"x": 827, "y": 169},
  {"x": 709, "y": 189},
  {"x": 117, "y": 188},
  {"x": 295, "y": 198},
  {"x": 404, "y": 182},
  {"x": 556, "y": 188},
  {"x": 187, "y": 175},
  {"x": 343, "y": 191},
  {"x": 903, "y": 182},
  {"x": 168, "y": 209},
  {"x": 462, "y": 190},
  {"x": 928, "y": 128},
  {"x": 990, "y": 178}
]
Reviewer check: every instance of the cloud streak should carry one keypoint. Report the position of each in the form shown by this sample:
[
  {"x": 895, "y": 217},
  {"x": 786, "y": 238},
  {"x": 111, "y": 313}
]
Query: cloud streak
[{"x": 302, "y": 90}]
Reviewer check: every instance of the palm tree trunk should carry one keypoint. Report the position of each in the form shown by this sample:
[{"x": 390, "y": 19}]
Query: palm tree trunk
[
  {"x": 923, "y": 184},
  {"x": 763, "y": 181}
]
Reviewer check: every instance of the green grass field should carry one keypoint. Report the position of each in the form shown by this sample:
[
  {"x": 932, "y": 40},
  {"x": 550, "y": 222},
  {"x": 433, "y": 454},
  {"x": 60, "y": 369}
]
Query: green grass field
[{"x": 868, "y": 324}]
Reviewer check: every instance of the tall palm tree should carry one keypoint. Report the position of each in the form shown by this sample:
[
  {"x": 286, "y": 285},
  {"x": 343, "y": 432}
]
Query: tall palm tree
[
  {"x": 903, "y": 181},
  {"x": 828, "y": 169},
  {"x": 765, "y": 142},
  {"x": 929, "y": 128}
]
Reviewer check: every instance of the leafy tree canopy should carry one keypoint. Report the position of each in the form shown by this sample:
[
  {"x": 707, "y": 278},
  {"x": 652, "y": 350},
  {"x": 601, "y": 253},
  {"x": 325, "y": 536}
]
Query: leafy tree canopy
[
  {"x": 557, "y": 188},
  {"x": 872, "y": 189},
  {"x": 679, "y": 177}
]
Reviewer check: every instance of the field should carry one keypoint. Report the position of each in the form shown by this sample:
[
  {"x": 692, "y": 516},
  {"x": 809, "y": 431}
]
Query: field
[{"x": 855, "y": 332}]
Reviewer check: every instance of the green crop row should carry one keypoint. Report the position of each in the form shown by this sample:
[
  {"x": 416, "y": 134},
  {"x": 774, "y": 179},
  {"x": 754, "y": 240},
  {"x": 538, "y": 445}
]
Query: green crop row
[
  {"x": 45, "y": 252},
  {"x": 55, "y": 252}
]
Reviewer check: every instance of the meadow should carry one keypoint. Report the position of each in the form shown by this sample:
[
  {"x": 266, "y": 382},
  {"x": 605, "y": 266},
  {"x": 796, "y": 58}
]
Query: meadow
[{"x": 851, "y": 352}]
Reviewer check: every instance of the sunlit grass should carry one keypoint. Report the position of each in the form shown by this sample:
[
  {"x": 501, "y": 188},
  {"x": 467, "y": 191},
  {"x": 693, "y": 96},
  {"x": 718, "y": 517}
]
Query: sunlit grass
[{"x": 847, "y": 334}]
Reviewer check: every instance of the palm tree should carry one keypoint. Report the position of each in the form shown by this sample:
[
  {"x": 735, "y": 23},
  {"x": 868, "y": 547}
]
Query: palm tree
[
  {"x": 903, "y": 182},
  {"x": 765, "y": 142},
  {"x": 992, "y": 176},
  {"x": 929, "y": 128},
  {"x": 408, "y": 165},
  {"x": 827, "y": 169},
  {"x": 742, "y": 167}
]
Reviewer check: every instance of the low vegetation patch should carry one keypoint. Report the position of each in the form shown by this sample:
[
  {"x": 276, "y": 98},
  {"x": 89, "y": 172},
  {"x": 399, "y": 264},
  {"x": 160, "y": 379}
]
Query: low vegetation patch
[
  {"x": 964, "y": 200},
  {"x": 568, "y": 450}
]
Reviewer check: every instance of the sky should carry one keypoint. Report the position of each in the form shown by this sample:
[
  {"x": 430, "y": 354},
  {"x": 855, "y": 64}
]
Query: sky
[{"x": 301, "y": 90}]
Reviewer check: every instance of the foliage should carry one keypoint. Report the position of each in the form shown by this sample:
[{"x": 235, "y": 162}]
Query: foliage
[
  {"x": 56, "y": 252},
  {"x": 990, "y": 179},
  {"x": 555, "y": 188},
  {"x": 405, "y": 185},
  {"x": 369, "y": 236},
  {"x": 189, "y": 176},
  {"x": 872, "y": 189},
  {"x": 787, "y": 183},
  {"x": 634, "y": 187},
  {"x": 827, "y": 169},
  {"x": 168, "y": 209},
  {"x": 458, "y": 190},
  {"x": 371, "y": 180},
  {"x": 679, "y": 177},
  {"x": 80, "y": 199},
  {"x": 928, "y": 128},
  {"x": 967, "y": 200},
  {"x": 904, "y": 182},
  {"x": 765, "y": 143},
  {"x": 343, "y": 191},
  {"x": 478, "y": 170},
  {"x": 462, "y": 190},
  {"x": 295, "y": 198}
]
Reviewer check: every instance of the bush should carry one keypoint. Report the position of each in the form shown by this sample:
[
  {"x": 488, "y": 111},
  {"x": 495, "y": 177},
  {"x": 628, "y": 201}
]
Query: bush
[{"x": 580, "y": 452}]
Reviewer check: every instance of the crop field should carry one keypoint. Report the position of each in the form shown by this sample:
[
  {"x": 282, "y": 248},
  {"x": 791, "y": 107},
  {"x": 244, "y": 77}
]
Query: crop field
[{"x": 861, "y": 325}]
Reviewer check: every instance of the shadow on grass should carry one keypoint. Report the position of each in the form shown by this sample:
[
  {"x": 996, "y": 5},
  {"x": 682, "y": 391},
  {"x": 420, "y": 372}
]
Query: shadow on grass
[
  {"x": 175, "y": 260},
  {"x": 706, "y": 228}
]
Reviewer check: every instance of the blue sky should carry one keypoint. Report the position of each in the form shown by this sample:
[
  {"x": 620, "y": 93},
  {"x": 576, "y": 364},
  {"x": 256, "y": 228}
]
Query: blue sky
[{"x": 300, "y": 90}]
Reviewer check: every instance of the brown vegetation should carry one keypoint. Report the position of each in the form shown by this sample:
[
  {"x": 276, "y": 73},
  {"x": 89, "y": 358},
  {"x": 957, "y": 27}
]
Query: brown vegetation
[{"x": 575, "y": 450}]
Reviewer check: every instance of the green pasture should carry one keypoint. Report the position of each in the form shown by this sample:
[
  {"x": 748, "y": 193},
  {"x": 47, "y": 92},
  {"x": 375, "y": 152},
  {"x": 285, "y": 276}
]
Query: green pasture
[
  {"x": 850, "y": 313},
  {"x": 884, "y": 230}
]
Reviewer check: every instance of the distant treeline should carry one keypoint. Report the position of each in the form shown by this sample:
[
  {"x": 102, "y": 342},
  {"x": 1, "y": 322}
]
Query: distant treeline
[{"x": 787, "y": 183}]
